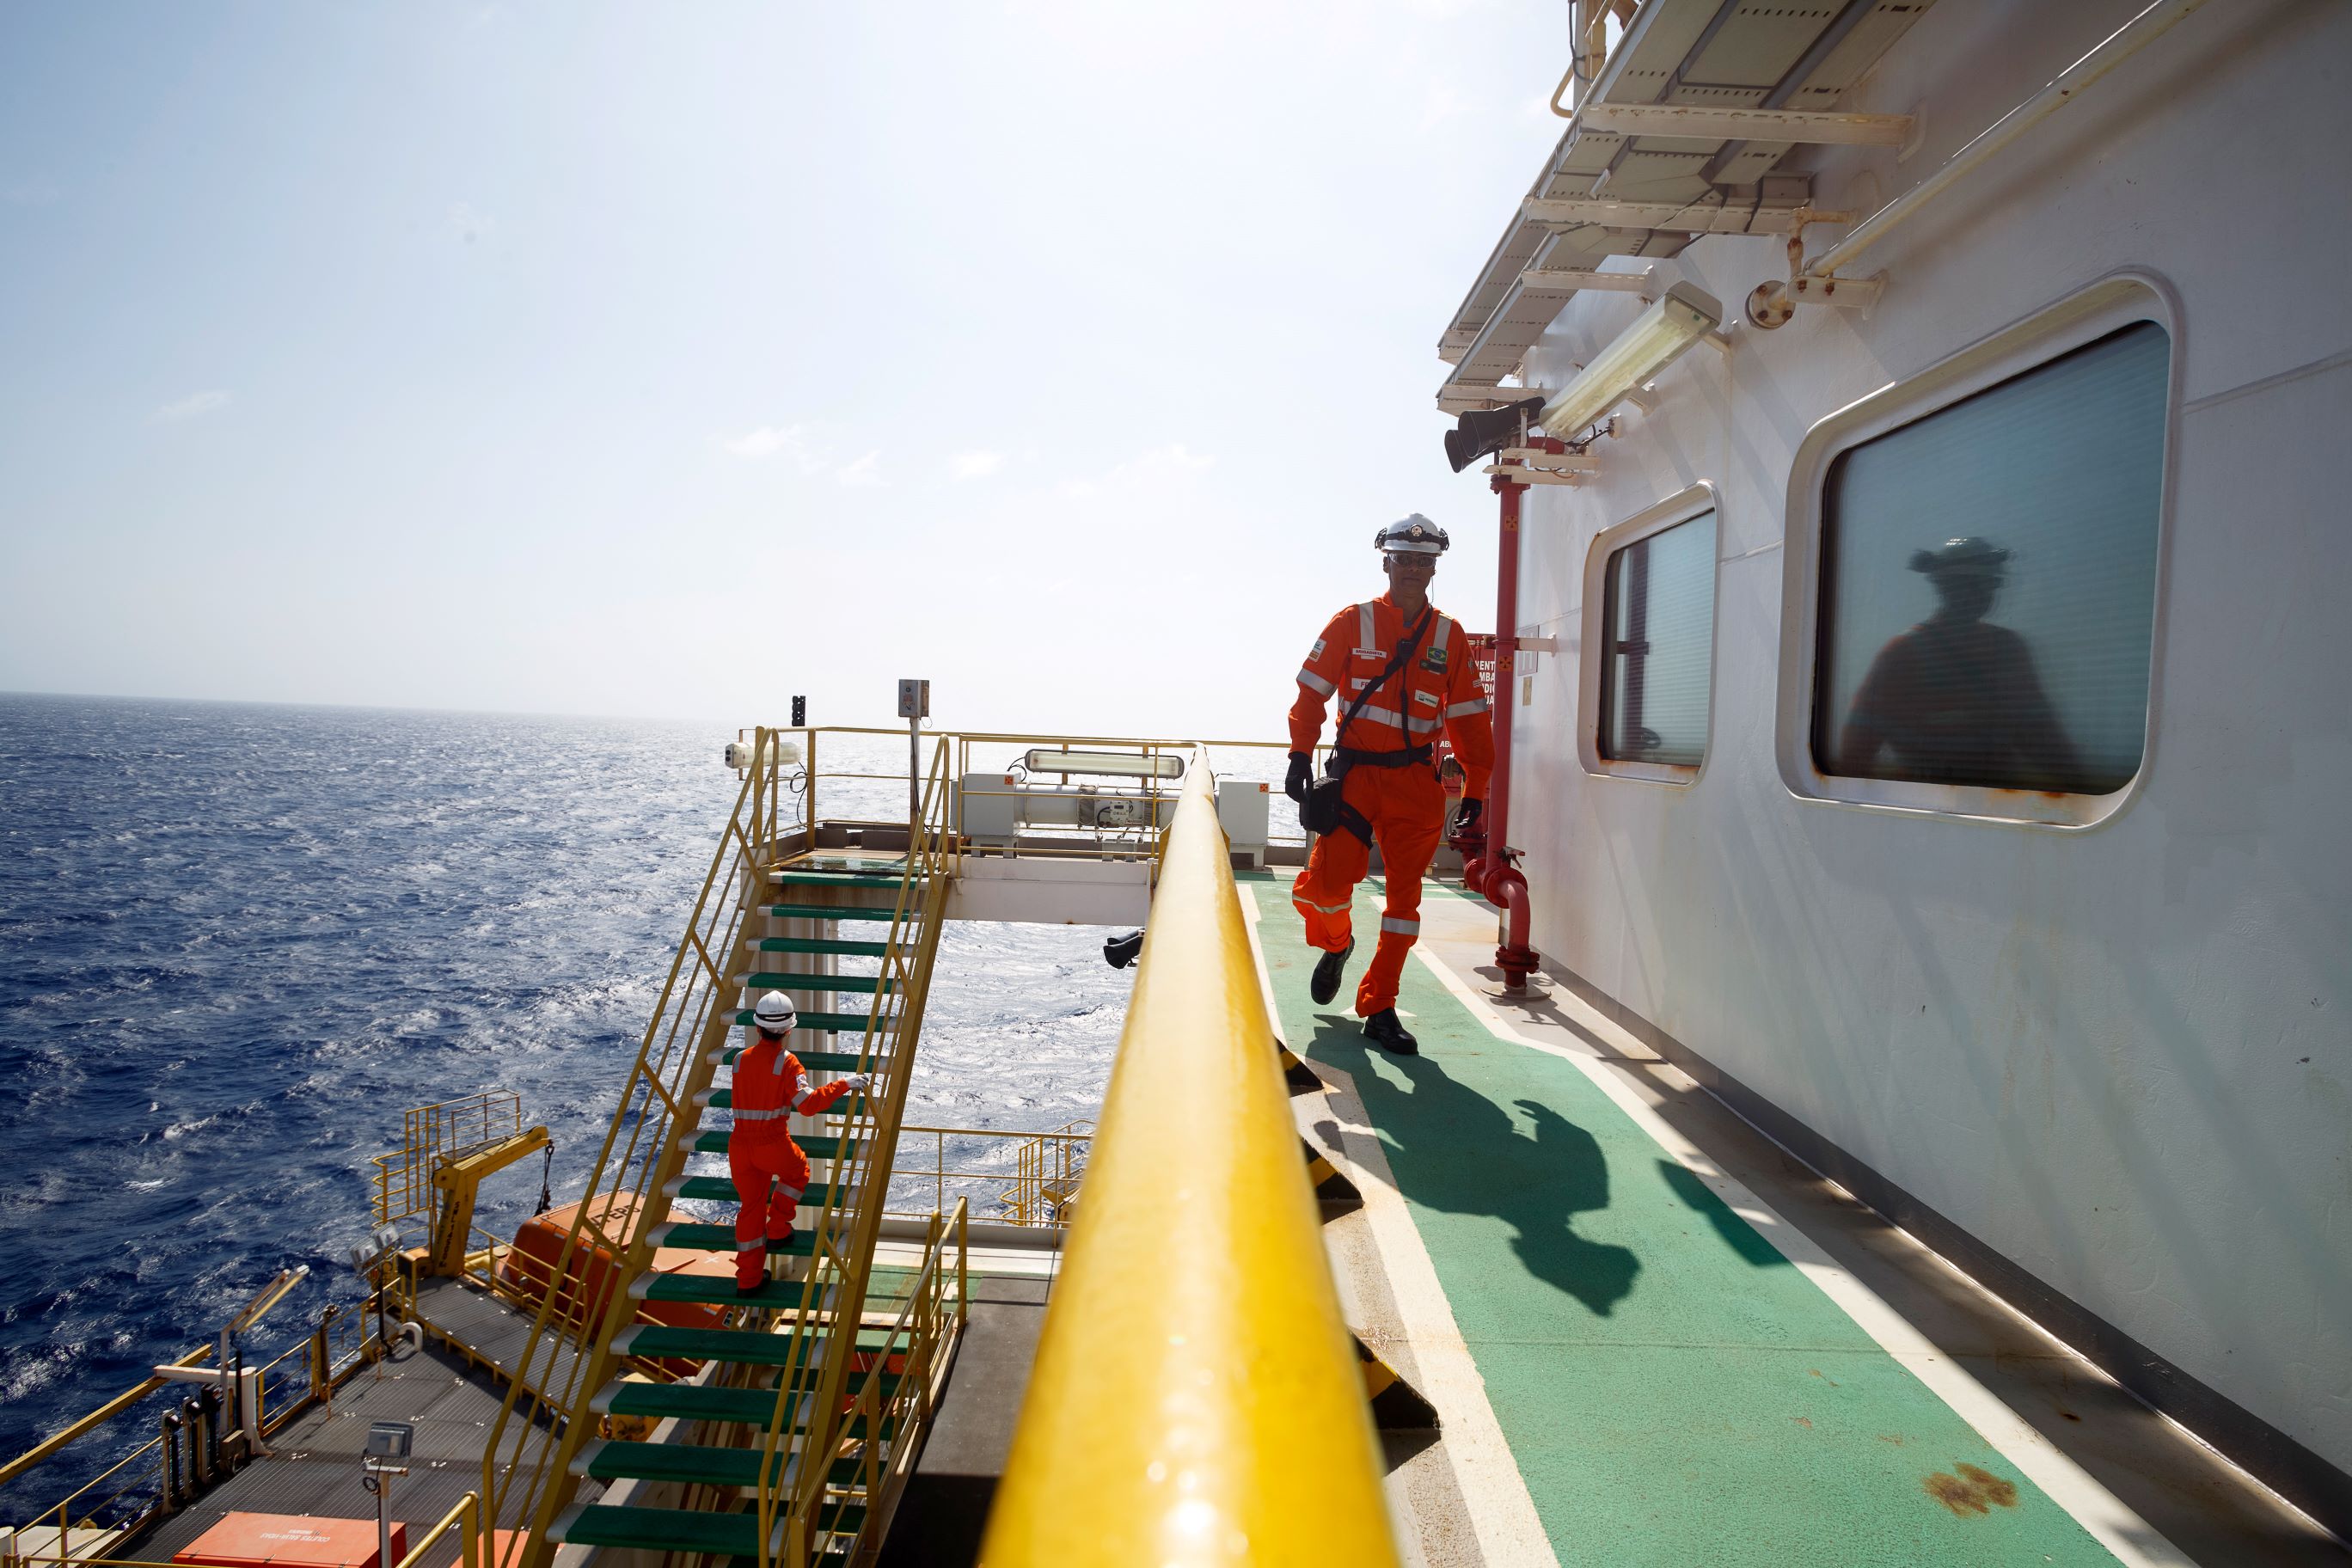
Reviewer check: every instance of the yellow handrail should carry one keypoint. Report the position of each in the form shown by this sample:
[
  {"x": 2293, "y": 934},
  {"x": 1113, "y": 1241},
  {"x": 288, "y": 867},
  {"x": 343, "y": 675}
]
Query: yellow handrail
[
  {"x": 96, "y": 1418},
  {"x": 465, "y": 1520},
  {"x": 1195, "y": 1397}
]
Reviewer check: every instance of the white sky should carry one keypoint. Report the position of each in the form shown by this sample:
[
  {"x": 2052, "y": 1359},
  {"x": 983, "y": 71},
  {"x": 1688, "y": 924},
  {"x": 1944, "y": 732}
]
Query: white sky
[{"x": 670, "y": 359}]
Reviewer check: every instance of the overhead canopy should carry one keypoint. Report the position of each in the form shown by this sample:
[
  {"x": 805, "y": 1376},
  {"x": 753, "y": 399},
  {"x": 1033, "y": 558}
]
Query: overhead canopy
[{"x": 1716, "y": 54}]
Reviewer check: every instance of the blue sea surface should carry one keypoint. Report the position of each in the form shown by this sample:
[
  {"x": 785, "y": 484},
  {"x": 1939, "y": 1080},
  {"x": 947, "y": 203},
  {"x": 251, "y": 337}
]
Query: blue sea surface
[{"x": 238, "y": 942}]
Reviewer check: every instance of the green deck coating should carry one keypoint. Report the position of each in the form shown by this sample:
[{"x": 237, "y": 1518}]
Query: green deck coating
[{"x": 1675, "y": 1390}]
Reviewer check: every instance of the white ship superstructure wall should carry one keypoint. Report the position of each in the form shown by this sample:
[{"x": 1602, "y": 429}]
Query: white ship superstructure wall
[{"x": 2110, "y": 1044}]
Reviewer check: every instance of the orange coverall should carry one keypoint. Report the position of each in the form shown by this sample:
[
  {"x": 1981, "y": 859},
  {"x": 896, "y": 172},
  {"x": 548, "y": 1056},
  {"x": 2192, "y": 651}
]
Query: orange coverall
[
  {"x": 1405, "y": 806},
  {"x": 769, "y": 1170}
]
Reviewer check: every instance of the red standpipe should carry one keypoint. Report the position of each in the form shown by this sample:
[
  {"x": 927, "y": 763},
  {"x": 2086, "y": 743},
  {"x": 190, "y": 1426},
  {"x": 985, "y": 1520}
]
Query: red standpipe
[{"x": 1489, "y": 870}]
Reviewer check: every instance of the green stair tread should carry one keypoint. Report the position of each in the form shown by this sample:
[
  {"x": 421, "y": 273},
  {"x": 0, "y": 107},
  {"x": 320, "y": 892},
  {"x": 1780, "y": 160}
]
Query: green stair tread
[
  {"x": 678, "y": 1530},
  {"x": 836, "y": 879},
  {"x": 840, "y": 947},
  {"x": 789, "y": 982},
  {"x": 692, "y": 1402},
  {"x": 685, "y": 1462},
  {"x": 617, "y": 1461},
  {"x": 665, "y": 1530},
  {"x": 693, "y": 1236},
  {"x": 815, "y": 1145},
  {"x": 745, "y": 1347},
  {"x": 719, "y": 1290},
  {"x": 831, "y": 912},
  {"x": 719, "y": 1189},
  {"x": 839, "y": 1022}
]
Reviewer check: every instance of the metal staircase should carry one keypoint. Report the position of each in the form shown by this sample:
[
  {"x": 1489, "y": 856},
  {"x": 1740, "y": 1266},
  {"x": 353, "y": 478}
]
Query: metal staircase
[{"x": 784, "y": 1447}]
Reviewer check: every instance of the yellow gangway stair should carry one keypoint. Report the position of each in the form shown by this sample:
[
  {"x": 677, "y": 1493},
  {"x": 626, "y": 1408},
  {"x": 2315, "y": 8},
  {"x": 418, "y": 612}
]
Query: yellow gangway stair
[{"x": 790, "y": 1432}]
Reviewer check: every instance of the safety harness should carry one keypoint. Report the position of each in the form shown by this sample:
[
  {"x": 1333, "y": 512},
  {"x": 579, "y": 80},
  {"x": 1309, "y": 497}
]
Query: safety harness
[{"x": 1325, "y": 809}]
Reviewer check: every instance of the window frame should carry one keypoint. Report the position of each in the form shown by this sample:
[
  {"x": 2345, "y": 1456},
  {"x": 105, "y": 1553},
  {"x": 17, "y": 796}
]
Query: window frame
[
  {"x": 1682, "y": 507},
  {"x": 2050, "y": 333}
]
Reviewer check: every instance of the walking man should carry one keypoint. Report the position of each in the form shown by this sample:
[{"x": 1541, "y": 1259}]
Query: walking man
[
  {"x": 1401, "y": 671},
  {"x": 770, "y": 1170}
]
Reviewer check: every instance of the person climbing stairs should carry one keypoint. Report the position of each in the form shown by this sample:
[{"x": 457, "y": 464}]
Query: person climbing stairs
[{"x": 768, "y": 1461}]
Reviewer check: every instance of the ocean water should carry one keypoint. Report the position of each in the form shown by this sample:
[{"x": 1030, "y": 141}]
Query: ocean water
[{"x": 238, "y": 942}]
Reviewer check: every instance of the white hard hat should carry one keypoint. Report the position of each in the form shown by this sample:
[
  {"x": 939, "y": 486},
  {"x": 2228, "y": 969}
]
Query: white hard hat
[
  {"x": 775, "y": 1014},
  {"x": 1414, "y": 536}
]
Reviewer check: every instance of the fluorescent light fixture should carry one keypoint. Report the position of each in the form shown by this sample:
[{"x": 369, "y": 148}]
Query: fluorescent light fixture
[{"x": 1682, "y": 316}]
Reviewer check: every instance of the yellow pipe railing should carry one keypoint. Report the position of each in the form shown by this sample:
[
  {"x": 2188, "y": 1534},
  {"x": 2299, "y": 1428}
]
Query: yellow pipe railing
[
  {"x": 465, "y": 1520},
  {"x": 1195, "y": 1397}
]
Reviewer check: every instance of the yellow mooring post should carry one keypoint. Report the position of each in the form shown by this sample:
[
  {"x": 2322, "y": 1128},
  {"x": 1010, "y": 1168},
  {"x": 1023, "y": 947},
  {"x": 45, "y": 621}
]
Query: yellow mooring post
[{"x": 1196, "y": 1397}]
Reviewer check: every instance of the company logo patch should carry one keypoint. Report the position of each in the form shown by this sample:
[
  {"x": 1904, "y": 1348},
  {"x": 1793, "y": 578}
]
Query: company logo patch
[
  {"x": 1316, "y": 652},
  {"x": 1434, "y": 660}
]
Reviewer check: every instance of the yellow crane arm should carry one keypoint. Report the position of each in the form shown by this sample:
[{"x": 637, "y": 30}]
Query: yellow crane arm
[{"x": 458, "y": 1178}]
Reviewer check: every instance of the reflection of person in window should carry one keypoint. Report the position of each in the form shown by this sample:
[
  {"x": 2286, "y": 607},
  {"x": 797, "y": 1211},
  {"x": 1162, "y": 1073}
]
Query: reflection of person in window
[{"x": 1955, "y": 697}]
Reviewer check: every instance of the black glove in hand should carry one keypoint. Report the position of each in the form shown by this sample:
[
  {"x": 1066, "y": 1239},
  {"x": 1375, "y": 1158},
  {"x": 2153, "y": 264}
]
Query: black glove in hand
[
  {"x": 1467, "y": 818},
  {"x": 1302, "y": 774}
]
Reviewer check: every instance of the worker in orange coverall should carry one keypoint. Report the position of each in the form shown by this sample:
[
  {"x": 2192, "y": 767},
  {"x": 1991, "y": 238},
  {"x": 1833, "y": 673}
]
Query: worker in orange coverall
[
  {"x": 770, "y": 1170},
  {"x": 1390, "y": 792}
]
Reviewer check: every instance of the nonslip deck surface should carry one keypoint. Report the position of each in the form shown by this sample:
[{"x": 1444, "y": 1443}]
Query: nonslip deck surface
[
  {"x": 1672, "y": 1389},
  {"x": 316, "y": 1467}
]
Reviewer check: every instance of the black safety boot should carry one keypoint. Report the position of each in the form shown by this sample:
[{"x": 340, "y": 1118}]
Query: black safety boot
[
  {"x": 1328, "y": 970},
  {"x": 1385, "y": 1030}
]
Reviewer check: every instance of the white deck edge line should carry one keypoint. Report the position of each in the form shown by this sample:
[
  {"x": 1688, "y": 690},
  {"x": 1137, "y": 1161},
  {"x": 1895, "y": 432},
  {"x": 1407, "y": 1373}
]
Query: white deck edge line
[
  {"x": 2105, "y": 1517},
  {"x": 1485, "y": 1471}
]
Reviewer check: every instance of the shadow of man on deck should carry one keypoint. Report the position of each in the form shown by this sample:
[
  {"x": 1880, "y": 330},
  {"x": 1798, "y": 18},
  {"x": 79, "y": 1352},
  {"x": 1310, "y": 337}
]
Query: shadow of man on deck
[{"x": 1452, "y": 1149}]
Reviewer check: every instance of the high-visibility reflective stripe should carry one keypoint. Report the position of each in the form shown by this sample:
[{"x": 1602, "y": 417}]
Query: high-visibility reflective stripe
[
  {"x": 1321, "y": 909},
  {"x": 1381, "y": 715},
  {"x": 1315, "y": 683},
  {"x": 1427, "y": 726},
  {"x": 745, "y": 1114},
  {"x": 1364, "y": 626},
  {"x": 1392, "y": 927},
  {"x": 1444, "y": 625},
  {"x": 805, "y": 1095},
  {"x": 777, "y": 1070},
  {"x": 756, "y": 1244},
  {"x": 791, "y": 1193},
  {"x": 1476, "y": 705}
]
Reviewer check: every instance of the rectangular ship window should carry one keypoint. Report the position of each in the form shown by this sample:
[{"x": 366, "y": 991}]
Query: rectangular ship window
[
  {"x": 1658, "y": 630},
  {"x": 1987, "y": 592}
]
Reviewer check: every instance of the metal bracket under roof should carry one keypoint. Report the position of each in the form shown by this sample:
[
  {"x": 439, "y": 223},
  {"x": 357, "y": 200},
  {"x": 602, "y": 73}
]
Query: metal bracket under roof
[
  {"x": 1770, "y": 75},
  {"x": 1716, "y": 216},
  {"x": 1707, "y": 123}
]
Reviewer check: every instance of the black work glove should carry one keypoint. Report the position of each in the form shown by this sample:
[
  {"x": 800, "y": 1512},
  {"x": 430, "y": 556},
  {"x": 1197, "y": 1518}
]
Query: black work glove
[
  {"x": 1302, "y": 774},
  {"x": 1467, "y": 818}
]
